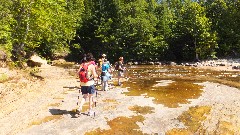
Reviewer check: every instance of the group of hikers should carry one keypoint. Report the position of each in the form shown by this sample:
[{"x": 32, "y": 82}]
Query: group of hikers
[{"x": 90, "y": 72}]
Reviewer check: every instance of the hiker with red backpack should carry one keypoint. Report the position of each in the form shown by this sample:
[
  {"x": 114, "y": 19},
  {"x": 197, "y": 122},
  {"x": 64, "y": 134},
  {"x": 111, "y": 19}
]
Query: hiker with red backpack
[{"x": 87, "y": 74}]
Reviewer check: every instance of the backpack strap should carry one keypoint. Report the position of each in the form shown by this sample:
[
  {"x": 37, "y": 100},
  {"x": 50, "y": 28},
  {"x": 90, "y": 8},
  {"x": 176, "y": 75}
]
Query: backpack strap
[
  {"x": 91, "y": 76},
  {"x": 84, "y": 64}
]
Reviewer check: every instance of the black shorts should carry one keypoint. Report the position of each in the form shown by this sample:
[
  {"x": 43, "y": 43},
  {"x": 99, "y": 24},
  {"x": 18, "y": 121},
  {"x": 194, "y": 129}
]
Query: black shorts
[{"x": 88, "y": 89}]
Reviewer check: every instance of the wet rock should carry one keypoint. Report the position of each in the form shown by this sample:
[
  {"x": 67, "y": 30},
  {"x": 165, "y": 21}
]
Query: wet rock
[
  {"x": 151, "y": 63},
  {"x": 144, "y": 62},
  {"x": 222, "y": 64},
  {"x": 157, "y": 63},
  {"x": 135, "y": 63},
  {"x": 187, "y": 64},
  {"x": 236, "y": 67},
  {"x": 130, "y": 63},
  {"x": 173, "y": 63}
]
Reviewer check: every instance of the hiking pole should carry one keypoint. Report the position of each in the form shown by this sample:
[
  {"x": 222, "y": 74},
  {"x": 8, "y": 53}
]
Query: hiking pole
[
  {"x": 95, "y": 101},
  {"x": 79, "y": 90},
  {"x": 78, "y": 100}
]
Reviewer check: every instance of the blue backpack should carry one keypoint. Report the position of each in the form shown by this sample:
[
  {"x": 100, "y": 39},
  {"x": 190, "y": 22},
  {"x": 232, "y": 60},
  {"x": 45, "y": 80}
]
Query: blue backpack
[{"x": 105, "y": 67}]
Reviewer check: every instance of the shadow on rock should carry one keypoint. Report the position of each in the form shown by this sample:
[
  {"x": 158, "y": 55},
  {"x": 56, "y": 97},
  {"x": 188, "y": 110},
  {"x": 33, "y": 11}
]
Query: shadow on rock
[
  {"x": 69, "y": 87},
  {"x": 63, "y": 112}
]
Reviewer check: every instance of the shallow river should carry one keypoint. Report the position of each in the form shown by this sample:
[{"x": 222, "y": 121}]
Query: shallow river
[{"x": 172, "y": 86}]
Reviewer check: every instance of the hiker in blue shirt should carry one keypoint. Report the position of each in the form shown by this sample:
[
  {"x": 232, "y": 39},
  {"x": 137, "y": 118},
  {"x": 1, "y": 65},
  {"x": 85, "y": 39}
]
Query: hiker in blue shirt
[{"x": 105, "y": 75}]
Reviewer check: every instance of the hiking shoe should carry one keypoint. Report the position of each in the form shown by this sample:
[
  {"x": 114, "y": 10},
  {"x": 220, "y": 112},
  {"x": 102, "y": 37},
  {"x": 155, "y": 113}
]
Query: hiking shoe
[
  {"x": 78, "y": 112},
  {"x": 91, "y": 113}
]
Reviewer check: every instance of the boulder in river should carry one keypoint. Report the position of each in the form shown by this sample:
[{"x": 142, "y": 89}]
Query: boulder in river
[{"x": 36, "y": 61}]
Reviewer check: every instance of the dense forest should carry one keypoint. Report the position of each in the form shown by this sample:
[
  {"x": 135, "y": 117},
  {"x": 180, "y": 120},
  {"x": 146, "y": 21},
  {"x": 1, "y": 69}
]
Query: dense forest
[{"x": 176, "y": 30}]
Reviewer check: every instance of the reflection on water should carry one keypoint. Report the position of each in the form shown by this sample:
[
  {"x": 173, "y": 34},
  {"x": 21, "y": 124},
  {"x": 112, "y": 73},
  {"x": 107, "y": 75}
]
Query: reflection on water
[{"x": 172, "y": 86}]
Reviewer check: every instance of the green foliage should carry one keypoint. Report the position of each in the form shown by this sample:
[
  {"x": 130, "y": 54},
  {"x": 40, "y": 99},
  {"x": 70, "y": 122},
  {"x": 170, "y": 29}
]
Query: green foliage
[
  {"x": 97, "y": 31},
  {"x": 193, "y": 33},
  {"x": 34, "y": 70},
  {"x": 3, "y": 78},
  {"x": 225, "y": 17},
  {"x": 148, "y": 28},
  {"x": 5, "y": 27},
  {"x": 135, "y": 29},
  {"x": 41, "y": 26},
  {"x": 114, "y": 27}
]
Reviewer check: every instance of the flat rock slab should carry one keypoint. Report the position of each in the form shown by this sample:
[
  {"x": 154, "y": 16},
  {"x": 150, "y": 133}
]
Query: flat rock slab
[{"x": 47, "y": 107}]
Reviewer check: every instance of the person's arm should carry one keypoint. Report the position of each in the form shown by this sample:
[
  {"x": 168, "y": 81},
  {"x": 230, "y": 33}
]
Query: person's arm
[{"x": 109, "y": 68}]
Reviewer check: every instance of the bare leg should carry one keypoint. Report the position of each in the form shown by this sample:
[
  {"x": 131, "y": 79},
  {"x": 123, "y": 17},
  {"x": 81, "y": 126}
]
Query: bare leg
[
  {"x": 90, "y": 101},
  {"x": 103, "y": 86},
  {"x": 106, "y": 85},
  {"x": 119, "y": 82},
  {"x": 90, "y": 104},
  {"x": 83, "y": 101}
]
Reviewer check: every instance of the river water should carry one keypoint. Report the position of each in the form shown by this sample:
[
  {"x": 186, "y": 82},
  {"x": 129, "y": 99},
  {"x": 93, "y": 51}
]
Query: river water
[{"x": 173, "y": 85}]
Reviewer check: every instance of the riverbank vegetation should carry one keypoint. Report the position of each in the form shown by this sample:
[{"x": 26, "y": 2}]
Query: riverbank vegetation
[{"x": 139, "y": 30}]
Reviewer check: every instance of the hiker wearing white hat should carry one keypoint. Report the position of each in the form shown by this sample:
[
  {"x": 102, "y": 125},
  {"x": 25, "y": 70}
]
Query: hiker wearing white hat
[
  {"x": 104, "y": 55},
  {"x": 105, "y": 72},
  {"x": 101, "y": 60}
]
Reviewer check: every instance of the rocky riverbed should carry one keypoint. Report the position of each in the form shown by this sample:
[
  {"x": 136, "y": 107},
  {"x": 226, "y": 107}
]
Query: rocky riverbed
[{"x": 45, "y": 103}]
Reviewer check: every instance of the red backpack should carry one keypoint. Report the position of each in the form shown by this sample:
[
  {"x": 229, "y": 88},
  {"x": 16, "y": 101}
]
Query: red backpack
[{"x": 83, "y": 73}]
